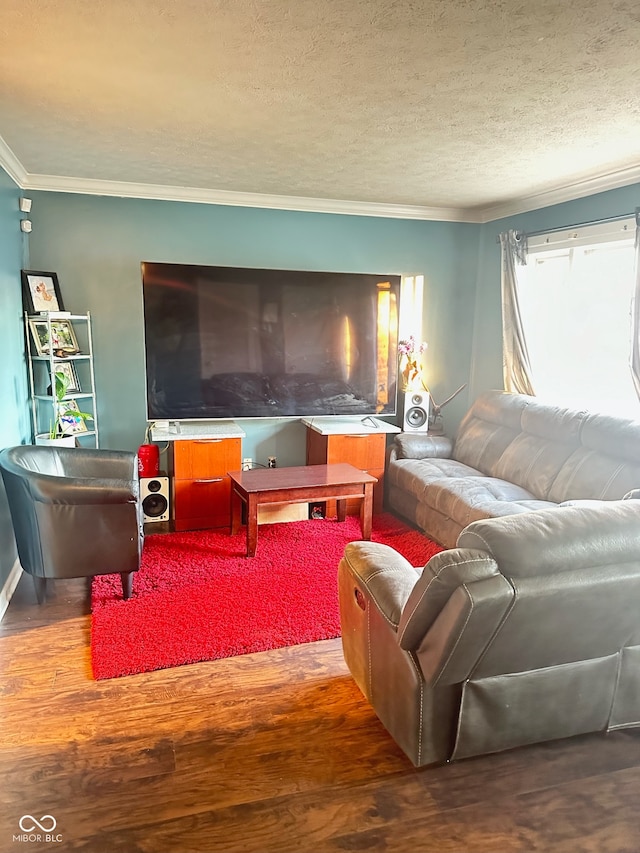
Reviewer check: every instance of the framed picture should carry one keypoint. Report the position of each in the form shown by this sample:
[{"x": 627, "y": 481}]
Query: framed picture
[
  {"x": 69, "y": 422},
  {"x": 40, "y": 335},
  {"x": 41, "y": 292},
  {"x": 69, "y": 370},
  {"x": 64, "y": 338}
]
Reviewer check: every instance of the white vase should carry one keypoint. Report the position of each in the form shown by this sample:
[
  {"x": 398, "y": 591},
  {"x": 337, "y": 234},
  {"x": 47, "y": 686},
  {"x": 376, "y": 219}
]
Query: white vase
[{"x": 63, "y": 441}]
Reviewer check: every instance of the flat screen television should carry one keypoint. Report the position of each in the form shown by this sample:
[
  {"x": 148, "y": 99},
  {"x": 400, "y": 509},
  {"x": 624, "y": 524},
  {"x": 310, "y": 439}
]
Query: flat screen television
[{"x": 223, "y": 342}]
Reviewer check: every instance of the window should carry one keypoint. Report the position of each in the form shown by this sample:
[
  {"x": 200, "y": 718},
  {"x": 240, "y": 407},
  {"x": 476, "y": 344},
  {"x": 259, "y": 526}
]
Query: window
[
  {"x": 575, "y": 294},
  {"x": 411, "y": 302}
]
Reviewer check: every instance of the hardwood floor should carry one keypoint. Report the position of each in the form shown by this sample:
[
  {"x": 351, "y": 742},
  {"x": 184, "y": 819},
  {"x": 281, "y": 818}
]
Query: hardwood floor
[{"x": 267, "y": 752}]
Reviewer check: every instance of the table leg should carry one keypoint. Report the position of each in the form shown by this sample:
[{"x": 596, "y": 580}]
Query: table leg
[
  {"x": 341, "y": 507},
  {"x": 252, "y": 525},
  {"x": 366, "y": 511},
  {"x": 236, "y": 511}
]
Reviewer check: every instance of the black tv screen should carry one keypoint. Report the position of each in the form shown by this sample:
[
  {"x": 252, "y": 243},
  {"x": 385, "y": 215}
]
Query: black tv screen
[{"x": 226, "y": 342}]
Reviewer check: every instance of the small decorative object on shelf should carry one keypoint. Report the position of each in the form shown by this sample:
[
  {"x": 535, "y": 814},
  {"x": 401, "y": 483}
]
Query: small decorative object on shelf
[{"x": 410, "y": 350}]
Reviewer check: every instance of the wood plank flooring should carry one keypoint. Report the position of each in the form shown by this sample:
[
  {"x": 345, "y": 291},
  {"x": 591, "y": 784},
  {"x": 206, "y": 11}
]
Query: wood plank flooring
[{"x": 275, "y": 751}]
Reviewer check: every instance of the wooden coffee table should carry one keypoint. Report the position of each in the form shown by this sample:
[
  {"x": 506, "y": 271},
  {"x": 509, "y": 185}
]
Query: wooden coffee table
[{"x": 260, "y": 486}]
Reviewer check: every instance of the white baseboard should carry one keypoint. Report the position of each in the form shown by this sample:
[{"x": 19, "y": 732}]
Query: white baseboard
[{"x": 9, "y": 587}]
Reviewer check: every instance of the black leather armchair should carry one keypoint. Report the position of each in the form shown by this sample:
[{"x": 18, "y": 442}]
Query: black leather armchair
[
  {"x": 75, "y": 512},
  {"x": 528, "y": 630}
]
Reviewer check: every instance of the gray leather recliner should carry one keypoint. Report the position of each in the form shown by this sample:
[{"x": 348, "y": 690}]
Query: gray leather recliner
[
  {"x": 75, "y": 512},
  {"x": 527, "y": 631}
]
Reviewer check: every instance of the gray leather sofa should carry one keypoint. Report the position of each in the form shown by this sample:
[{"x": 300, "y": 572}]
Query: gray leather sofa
[
  {"x": 512, "y": 454},
  {"x": 528, "y": 631}
]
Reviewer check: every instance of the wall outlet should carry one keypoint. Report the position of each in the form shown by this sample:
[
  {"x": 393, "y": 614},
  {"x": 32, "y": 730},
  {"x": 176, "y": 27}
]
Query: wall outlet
[
  {"x": 271, "y": 462},
  {"x": 247, "y": 463}
]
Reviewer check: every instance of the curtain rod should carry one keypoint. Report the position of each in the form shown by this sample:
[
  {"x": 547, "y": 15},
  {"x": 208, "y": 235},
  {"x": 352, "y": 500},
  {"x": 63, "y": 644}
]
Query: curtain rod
[{"x": 578, "y": 225}]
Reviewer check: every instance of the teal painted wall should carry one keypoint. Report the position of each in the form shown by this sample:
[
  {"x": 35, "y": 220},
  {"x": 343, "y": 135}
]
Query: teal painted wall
[
  {"x": 486, "y": 363},
  {"x": 15, "y": 426},
  {"x": 96, "y": 245}
]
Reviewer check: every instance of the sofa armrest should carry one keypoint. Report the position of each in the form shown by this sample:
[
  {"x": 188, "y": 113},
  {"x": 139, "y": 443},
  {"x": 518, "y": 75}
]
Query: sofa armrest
[
  {"x": 441, "y": 577},
  {"x": 422, "y": 446},
  {"x": 386, "y": 577}
]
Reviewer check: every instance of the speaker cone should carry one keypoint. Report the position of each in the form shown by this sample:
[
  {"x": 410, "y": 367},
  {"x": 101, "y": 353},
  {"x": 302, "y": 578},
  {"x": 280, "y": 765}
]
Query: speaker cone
[
  {"x": 416, "y": 416},
  {"x": 154, "y": 505}
]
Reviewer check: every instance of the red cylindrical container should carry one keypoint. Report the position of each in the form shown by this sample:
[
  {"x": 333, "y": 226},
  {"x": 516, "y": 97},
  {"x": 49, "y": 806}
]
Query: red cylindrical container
[{"x": 148, "y": 460}]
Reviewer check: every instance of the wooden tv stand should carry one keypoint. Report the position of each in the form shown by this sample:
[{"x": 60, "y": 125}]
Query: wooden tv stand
[
  {"x": 202, "y": 454},
  {"x": 200, "y": 458},
  {"x": 360, "y": 441}
]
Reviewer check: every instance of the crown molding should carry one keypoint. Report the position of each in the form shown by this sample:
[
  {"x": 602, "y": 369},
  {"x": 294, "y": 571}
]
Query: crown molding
[
  {"x": 10, "y": 163},
  {"x": 558, "y": 195},
  {"x": 196, "y": 195},
  {"x": 123, "y": 189}
]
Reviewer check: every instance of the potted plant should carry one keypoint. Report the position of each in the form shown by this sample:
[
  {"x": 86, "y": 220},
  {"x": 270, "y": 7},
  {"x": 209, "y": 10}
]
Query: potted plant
[{"x": 63, "y": 410}]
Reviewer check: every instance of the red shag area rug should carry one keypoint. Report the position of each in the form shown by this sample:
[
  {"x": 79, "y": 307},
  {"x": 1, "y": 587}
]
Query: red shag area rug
[{"x": 197, "y": 597}]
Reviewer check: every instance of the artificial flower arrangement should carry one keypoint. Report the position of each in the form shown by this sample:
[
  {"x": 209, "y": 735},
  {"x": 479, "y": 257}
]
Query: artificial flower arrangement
[{"x": 411, "y": 350}]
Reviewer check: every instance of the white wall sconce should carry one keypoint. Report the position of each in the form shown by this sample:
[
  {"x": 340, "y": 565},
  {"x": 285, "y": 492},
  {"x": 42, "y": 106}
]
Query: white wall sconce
[
  {"x": 25, "y": 225},
  {"x": 25, "y": 205}
]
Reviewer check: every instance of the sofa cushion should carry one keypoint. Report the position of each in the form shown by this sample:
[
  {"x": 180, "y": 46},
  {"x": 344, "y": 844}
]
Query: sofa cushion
[
  {"x": 415, "y": 475},
  {"x": 607, "y": 464},
  {"x": 467, "y": 499},
  {"x": 534, "y": 458},
  {"x": 488, "y": 429}
]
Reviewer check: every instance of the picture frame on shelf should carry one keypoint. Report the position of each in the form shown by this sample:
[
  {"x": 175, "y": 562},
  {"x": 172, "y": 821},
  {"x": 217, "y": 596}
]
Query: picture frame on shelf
[
  {"x": 64, "y": 338},
  {"x": 69, "y": 370},
  {"x": 41, "y": 292},
  {"x": 40, "y": 334},
  {"x": 71, "y": 423}
]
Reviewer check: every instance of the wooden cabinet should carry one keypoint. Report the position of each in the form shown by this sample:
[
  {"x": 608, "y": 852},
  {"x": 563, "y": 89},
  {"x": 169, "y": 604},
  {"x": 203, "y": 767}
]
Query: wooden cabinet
[
  {"x": 366, "y": 451},
  {"x": 201, "y": 485}
]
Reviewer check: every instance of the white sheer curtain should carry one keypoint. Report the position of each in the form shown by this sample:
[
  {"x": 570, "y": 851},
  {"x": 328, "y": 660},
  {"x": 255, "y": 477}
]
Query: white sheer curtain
[
  {"x": 635, "y": 315},
  {"x": 515, "y": 356}
]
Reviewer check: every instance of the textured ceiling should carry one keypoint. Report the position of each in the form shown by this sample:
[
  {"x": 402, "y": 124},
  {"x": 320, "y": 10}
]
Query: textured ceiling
[{"x": 439, "y": 103}]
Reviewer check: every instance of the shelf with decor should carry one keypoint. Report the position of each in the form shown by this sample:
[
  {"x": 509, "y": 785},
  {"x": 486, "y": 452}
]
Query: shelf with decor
[{"x": 61, "y": 378}]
